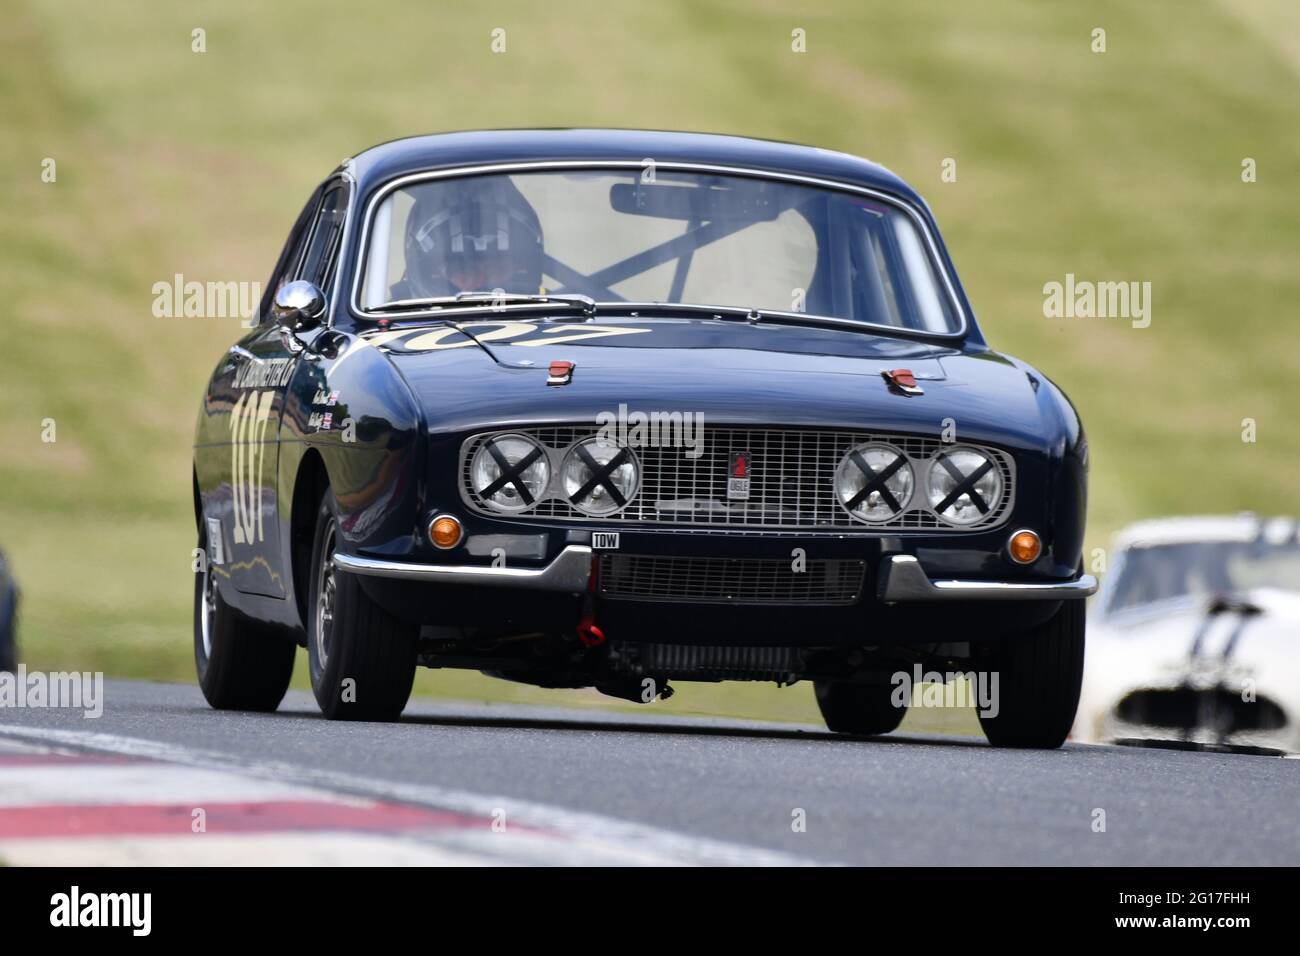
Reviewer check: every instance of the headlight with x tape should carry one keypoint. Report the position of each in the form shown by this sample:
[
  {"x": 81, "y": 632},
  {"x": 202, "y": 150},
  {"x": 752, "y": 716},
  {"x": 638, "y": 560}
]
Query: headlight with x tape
[
  {"x": 599, "y": 477},
  {"x": 964, "y": 485},
  {"x": 510, "y": 472},
  {"x": 874, "y": 482}
]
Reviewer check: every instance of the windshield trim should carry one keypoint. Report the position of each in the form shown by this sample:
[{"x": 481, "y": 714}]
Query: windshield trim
[{"x": 898, "y": 202}]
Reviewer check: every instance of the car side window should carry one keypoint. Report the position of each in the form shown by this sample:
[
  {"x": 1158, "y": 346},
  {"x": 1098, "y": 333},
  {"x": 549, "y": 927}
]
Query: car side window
[
  {"x": 322, "y": 249},
  {"x": 286, "y": 267}
]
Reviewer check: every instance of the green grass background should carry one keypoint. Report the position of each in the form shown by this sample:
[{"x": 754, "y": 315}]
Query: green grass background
[{"x": 1122, "y": 166}]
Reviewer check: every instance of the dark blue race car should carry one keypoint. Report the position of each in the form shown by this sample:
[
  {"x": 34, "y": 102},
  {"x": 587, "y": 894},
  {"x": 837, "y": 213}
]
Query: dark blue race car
[{"x": 613, "y": 408}]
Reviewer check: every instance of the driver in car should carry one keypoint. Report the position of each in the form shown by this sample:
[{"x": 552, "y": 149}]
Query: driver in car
[{"x": 479, "y": 236}]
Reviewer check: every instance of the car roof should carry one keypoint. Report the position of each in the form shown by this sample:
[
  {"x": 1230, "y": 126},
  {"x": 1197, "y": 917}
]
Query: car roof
[
  {"x": 484, "y": 147},
  {"x": 1191, "y": 529}
]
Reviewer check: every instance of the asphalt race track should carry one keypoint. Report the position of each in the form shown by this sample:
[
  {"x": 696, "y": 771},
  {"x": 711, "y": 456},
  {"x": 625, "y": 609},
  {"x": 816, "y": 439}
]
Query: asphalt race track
[{"x": 462, "y": 783}]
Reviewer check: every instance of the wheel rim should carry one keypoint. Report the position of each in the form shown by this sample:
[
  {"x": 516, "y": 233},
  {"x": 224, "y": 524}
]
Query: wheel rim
[
  {"x": 209, "y": 611},
  {"x": 325, "y": 598}
]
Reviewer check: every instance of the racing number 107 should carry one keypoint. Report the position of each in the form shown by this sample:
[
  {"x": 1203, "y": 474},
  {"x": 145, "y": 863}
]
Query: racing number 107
[{"x": 248, "y": 422}]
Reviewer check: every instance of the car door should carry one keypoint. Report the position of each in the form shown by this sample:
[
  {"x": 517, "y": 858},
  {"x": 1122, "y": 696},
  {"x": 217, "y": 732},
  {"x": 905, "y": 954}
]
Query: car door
[{"x": 262, "y": 369}]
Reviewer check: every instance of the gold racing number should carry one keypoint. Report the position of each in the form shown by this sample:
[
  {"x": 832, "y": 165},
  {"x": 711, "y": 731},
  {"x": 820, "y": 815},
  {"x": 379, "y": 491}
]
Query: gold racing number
[{"x": 248, "y": 421}]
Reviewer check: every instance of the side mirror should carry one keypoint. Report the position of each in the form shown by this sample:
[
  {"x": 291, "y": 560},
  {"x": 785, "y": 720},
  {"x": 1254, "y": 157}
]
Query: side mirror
[{"x": 299, "y": 306}]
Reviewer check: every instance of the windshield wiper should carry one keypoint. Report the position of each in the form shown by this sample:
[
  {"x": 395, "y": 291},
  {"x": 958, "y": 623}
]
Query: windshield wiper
[
  {"x": 748, "y": 314},
  {"x": 468, "y": 300},
  {"x": 815, "y": 321},
  {"x": 588, "y": 306}
]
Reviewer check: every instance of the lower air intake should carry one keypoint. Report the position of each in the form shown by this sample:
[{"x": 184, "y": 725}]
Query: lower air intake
[
  {"x": 694, "y": 662},
  {"x": 730, "y": 580}
]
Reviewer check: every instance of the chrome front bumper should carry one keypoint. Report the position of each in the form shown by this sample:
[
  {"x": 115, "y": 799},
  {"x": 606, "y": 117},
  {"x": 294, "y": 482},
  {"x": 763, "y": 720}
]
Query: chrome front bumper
[
  {"x": 901, "y": 578},
  {"x": 570, "y": 571}
]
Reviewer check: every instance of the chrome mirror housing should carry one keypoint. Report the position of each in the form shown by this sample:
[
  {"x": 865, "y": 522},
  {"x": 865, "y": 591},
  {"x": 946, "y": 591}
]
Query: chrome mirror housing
[{"x": 298, "y": 306}]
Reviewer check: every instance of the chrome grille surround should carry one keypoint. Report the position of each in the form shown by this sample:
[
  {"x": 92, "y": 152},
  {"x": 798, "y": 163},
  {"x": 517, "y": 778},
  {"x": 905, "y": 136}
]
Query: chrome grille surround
[
  {"x": 792, "y": 481},
  {"x": 645, "y": 577}
]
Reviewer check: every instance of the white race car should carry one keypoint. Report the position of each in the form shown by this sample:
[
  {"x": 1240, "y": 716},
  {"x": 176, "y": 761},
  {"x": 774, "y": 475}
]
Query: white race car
[{"x": 1195, "y": 637}]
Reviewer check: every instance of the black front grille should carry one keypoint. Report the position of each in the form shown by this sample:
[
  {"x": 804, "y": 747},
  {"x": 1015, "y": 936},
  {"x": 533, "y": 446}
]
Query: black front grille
[
  {"x": 792, "y": 481},
  {"x": 1188, "y": 708},
  {"x": 730, "y": 580}
]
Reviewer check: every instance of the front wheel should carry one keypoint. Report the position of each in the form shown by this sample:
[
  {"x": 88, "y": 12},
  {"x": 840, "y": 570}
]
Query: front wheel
[
  {"x": 863, "y": 709},
  {"x": 242, "y": 665},
  {"x": 362, "y": 658},
  {"x": 1039, "y": 675}
]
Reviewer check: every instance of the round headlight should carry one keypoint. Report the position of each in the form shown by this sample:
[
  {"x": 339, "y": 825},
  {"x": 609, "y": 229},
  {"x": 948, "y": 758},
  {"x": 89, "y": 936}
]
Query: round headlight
[
  {"x": 599, "y": 477},
  {"x": 874, "y": 482},
  {"x": 964, "y": 485},
  {"x": 510, "y": 472}
]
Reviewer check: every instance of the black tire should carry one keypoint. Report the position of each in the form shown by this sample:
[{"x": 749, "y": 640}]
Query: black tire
[
  {"x": 352, "y": 639},
  {"x": 862, "y": 709},
  {"x": 242, "y": 664},
  {"x": 1039, "y": 675}
]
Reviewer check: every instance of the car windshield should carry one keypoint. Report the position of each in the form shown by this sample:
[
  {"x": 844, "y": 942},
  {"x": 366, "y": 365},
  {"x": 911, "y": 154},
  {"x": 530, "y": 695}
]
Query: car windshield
[
  {"x": 1204, "y": 568},
  {"x": 671, "y": 237}
]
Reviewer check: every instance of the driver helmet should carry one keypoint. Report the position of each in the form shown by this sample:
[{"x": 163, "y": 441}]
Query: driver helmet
[{"x": 478, "y": 235}]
